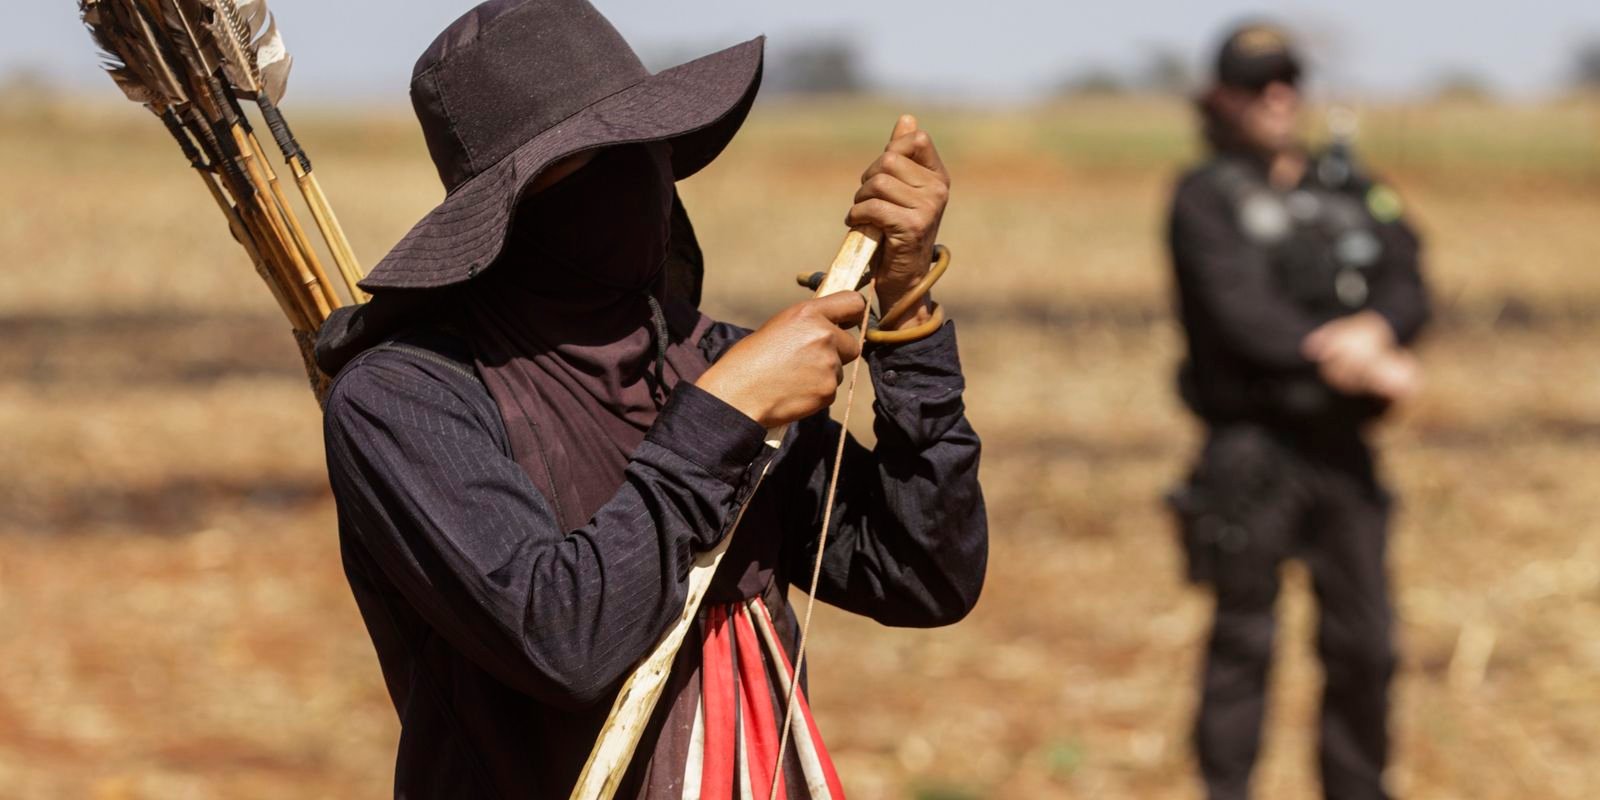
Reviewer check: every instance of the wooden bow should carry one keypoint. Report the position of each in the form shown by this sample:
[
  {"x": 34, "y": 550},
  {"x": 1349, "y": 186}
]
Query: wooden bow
[{"x": 614, "y": 749}]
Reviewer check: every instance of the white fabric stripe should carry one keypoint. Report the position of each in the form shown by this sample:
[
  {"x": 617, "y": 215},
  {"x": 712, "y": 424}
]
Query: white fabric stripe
[
  {"x": 744, "y": 754},
  {"x": 692, "y": 769},
  {"x": 804, "y": 746}
]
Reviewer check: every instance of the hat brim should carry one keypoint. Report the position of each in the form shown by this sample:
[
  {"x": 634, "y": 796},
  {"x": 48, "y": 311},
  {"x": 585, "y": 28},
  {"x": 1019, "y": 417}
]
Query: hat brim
[{"x": 698, "y": 106}]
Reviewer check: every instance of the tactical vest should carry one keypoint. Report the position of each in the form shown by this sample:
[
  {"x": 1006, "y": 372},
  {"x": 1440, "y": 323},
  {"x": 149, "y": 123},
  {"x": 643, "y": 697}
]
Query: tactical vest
[{"x": 1321, "y": 236}]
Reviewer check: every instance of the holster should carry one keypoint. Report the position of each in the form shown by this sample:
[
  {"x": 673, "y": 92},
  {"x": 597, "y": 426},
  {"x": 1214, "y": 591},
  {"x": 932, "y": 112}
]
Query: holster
[{"x": 1234, "y": 507}]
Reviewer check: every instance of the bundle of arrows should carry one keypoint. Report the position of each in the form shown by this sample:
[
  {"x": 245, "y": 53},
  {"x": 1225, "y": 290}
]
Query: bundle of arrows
[{"x": 194, "y": 64}]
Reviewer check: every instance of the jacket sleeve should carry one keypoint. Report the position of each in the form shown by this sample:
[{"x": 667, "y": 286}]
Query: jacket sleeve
[
  {"x": 1399, "y": 293},
  {"x": 1228, "y": 280},
  {"x": 910, "y": 538},
  {"x": 461, "y": 532}
]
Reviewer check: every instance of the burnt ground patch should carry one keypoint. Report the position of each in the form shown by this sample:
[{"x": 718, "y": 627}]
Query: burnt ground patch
[
  {"x": 144, "y": 348},
  {"x": 171, "y": 507},
  {"x": 1503, "y": 312}
]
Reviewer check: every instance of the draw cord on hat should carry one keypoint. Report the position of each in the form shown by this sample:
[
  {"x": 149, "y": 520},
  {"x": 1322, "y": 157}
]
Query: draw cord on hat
[{"x": 658, "y": 324}]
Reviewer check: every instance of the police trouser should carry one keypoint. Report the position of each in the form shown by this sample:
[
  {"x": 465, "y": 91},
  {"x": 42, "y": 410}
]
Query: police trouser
[{"x": 1258, "y": 497}]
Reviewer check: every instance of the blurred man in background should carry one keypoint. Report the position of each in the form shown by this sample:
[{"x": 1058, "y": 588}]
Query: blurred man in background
[{"x": 1300, "y": 293}]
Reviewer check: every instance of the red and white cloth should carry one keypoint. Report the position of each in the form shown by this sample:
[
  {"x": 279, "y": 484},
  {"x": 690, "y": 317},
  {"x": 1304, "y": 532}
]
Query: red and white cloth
[{"x": 744, "y": 680}]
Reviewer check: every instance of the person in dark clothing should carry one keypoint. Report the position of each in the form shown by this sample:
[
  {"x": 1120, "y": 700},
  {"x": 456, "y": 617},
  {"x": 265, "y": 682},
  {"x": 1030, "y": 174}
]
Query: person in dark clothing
[
  {"x": 1299, "y": 290},
  {"x": 533, "y": 430}
]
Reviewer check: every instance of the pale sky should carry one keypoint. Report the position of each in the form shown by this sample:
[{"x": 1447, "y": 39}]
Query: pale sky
[{"x": 970, "y": 50}]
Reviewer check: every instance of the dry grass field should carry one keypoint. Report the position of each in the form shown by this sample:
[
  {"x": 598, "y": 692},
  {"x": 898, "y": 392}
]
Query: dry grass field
[{"x": 174, "y": 622}]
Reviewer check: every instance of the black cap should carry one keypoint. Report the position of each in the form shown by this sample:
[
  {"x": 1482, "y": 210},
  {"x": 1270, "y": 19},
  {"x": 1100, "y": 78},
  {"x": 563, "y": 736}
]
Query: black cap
[{"x": 1255, "y": 55}]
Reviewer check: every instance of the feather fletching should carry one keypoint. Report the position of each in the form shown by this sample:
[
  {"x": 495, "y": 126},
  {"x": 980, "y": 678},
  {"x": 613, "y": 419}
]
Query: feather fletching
[
  {"x": 222, "y": 23},
  {"x": 114, "y": 58},
  {"x": 184, "y": 33},
  {"x": 131, "y": 55},
  {"x": 152, "y": 55},
  {"x": 253, "y": 53},
  {"x": 191, "y": 62}
]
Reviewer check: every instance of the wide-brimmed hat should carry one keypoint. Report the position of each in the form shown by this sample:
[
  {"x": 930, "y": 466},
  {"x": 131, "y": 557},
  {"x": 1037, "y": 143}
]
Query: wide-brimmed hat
[{"x": 514, "y": 86}]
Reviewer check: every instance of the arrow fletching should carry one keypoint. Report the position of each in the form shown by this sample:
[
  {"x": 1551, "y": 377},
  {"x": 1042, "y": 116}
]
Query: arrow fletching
[
  {"x": 251, "y": 49},
  {"x": 129, "y": 55}
]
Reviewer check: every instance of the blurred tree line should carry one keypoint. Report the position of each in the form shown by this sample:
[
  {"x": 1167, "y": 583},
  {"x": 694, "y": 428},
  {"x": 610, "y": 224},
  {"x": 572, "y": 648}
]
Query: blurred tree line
[
  {"x": 1586, "y": 66},
  {"x": 1161, "y": 70},
  {"x": 1165, "y": 70},
  {"x": 816, "y": 63},
  {"x": 832, "y": 63}
]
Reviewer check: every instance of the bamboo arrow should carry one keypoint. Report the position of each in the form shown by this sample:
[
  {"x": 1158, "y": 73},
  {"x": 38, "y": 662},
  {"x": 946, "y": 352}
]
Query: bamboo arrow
[
  {"x": 189, "y": 62},
  {"x": 201, "y": 51},
  {"x": 256, "y": 64}
]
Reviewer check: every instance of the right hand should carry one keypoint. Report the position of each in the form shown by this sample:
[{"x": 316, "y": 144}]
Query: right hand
[
  {"x": 790, "y": 368},
  {"x": 1357, "y": 340},
  {"x": 1358, "y": 355},
  {"x": 1396, "y": 378}
]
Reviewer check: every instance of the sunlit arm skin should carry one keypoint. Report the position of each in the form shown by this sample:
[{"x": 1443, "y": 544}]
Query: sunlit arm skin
[{"x": 791, "y": 366}]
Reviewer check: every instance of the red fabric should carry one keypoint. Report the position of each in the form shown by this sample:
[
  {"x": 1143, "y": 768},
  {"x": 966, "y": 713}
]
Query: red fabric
[
  {"x": 717, "y": 692},
  {"x": 756, "y": 703},
  {"x": 835, "y": 788}
]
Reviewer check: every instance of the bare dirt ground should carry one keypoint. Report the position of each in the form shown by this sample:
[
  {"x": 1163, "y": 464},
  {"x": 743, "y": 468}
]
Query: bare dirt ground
[{"x": 174, "y": 622}]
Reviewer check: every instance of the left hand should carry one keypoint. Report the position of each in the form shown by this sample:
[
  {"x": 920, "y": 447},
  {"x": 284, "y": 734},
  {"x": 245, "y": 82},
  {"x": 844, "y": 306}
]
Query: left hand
[{"x": 903, "y": 194}]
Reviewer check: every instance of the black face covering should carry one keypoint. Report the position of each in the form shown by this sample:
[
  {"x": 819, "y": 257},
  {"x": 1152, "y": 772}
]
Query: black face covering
[
  {"x": 606, "y": 225},
  {"x": 567, "y": 327}
]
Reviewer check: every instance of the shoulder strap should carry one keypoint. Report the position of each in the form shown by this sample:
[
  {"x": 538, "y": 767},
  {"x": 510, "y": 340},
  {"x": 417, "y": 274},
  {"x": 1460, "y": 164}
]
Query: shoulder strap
[{"x": 432, "y": 358}]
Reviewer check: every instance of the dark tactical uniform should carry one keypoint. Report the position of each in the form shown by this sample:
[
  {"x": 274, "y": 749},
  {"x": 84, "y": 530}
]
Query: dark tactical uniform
[{"x": 1286, "y": 470}]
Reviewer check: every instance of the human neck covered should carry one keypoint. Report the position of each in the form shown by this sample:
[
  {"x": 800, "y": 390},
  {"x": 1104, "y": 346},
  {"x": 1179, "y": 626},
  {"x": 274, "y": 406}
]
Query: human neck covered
[{"x": 568, "y": 333}]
